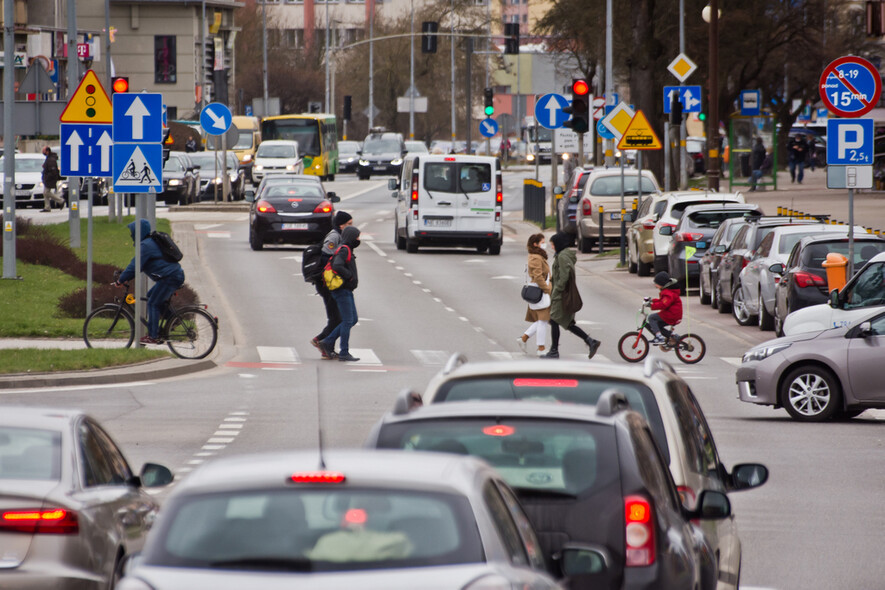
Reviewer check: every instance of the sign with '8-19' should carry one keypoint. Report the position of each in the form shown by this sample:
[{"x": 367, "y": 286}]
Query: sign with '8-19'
[{"x": 850, "y": 86}]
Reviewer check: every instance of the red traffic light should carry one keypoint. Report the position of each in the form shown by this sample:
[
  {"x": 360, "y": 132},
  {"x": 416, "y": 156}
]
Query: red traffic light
[
  {"x": 120, "y": 84},
  {"x": 580, "y": 87}
]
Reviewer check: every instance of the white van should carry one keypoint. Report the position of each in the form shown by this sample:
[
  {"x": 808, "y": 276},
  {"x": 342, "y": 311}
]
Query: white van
[
  {"x": 276, "y": 156},
  {"x": 864, "y": 292},
  {"x": 449, "y": 200}
]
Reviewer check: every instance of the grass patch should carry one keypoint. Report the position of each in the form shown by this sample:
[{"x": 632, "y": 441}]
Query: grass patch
[
  {"x": 111, "y": 242},
  {"x": 33, "y": 360},
  {"x": 29, "y": 307},
  {"x": 550, "y": 222},
  {"x": 612, "y": 253}
]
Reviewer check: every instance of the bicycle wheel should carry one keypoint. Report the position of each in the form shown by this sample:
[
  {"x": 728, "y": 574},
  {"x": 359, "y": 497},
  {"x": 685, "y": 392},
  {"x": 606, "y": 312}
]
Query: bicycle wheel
[
  {"x": 690, "y": 349},
  {"x": 633, "y": 347},
  {"x": 191, "y": 333},
  {"x": 109, "y": 326}
]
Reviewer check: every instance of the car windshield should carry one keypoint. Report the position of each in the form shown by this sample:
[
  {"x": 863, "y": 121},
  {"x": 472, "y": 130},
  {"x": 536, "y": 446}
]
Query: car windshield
[
  {"x": 26, "y": 164},
  {"x": 244, "y": 142},
  {"x": 27, "y": 453},
  {"x": 868, "y": 288},
  {"x": 679, "y": 208},
  {"x": 559, "y": 389},
  {"x": 205, "y": 161},
  {"x": 416, "y": 146},
  {"x": 173, "y": 165},
  {"x": 318, "y": 530},
  {"x": 471, "y": 177},
  {"x": 610, "y": 186},
  {"x": 347, "y": 148},
  {"x": 295, "y": 190},
  {"x": 275, "y": 151},
  {"x": 552, "y": 456},
  {"x": 381, "y": 146}
]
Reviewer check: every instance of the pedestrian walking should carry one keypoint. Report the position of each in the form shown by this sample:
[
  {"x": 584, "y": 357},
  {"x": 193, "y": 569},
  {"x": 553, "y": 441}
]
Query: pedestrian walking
[
  {"x": 757, "y": 158},
  {"x": 51, "y": 176},
  {"x": 191, "y": 144},
  {"x": 331, "y": 242},
  {"x": 811, "y": 157},
  {"x": 344, "y": 264},
  {"x": 562, "y": 311},
  {"x": 537, "y": 314},
  {"x": 797, "y": 150}
]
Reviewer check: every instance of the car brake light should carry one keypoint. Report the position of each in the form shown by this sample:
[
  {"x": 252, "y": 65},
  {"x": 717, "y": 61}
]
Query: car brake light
[
  {"x": 744, "y": 261},
  {"x": 525, "y": 382},
  {"x": 498, "y": 430},
  {"x": 806, "y": 279},
  {"x": 449, "y": 159},
  {"x": 265, "y": 207},
  {"x": 687, "y": 236},
  {"x": 324, "y": 207},
  {"x": 318, "y": 477},
  {"x": 640, "y": 532},
  {"x": 56, "y": 521},
  {"x": 414, "y": 190},
  {"x": 586, "y": 207},
  {"x": 499, "y": 189},
  {"x": 649, "y": 224},
  {"x": 673, "y": 225}
]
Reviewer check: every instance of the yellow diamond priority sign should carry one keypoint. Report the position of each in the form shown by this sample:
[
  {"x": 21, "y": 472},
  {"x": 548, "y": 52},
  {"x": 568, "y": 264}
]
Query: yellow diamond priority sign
[
  {"x": 639, "y": 135},
  {"x": 682, "y": 67},
  {"x": 89, "y": 103}
]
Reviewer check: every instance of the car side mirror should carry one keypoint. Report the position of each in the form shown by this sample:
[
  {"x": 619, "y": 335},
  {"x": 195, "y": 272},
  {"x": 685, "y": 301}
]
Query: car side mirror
[
  {"x": 865, "y": 330},
  {"x": 334, "y": 198},
  {"x": 746, "y": 476},
  {"x": 590, "y": 563},
  {"x": 711, "y": 505},
  {"x": 834, "y": 299},
  {"x": 155, "y": 476},
  {"x": 777, "y": 268},
  {"x": 392, "y": 184},
  {"x": 720, "y": 249},
  {"x": 666, "y": 230},
  {"x": 558, "y": 190}
]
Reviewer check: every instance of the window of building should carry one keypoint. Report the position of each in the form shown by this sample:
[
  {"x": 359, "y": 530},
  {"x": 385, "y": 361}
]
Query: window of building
[
  {"x": 525, "y": 19},
  {"x": 164, "y": 60}
]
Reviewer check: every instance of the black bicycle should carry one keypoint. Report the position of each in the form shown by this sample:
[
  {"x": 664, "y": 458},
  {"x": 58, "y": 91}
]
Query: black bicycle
[
  {"x": 634, "y": 346},
  {"x": 189, "y": 331}
]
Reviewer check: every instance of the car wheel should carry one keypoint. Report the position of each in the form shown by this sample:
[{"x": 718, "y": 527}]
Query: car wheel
[
  {"x": 739, "y": 308},
  {"x": 255, "y": 240},
  {"x": 661, "y": 264},
  {"x": 632, "y": 266},
  {"x": 361, "y": 177},
  {"x": 643, "y": 269},
  {"x": 495, "y": 248},
  {"x": 811, "y": 393},
  {"x": 482, "y": 248},
  {"x": 766, "y": 321},
  {"x": 411, "y": 245},
  {"x": 399, "y": 240},
  {"x": 705, "y": 296},
  {"x": 583, "y": 245},
  {"x": 721, "y": 305},
  {"x": 778, "y": 324},
  {"x": 330, "y": 177}
]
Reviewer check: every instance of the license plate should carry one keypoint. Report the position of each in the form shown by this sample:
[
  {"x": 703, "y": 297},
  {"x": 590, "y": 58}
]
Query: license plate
[
  {"x": 614, "y": 216},
  {"x": 701, "y": 244},
  {"x": 438, "y": 222},
  {"x": 380, "y": 168},
  {"x": 295, "y": 226},
  {"x": 22, "y": 193}
]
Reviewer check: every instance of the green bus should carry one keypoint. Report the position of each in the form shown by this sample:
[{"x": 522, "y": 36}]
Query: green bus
[{"x": 317, "y": 137}]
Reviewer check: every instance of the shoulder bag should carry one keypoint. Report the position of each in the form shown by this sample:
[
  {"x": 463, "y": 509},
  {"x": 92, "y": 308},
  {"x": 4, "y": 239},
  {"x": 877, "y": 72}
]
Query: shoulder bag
[{"x": 571, "y": 298}]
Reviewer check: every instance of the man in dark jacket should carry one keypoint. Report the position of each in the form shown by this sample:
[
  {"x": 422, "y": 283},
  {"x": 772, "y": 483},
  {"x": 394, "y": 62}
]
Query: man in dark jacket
[
  {"x": 344, "y": 263},
  {"x": 757, "y": 158},
  {"x": 51, "y": 176},
  {"x": 167, "y": 276},
  {"x": 331, "y": 242},
  {"x": 797, "y": 149}
]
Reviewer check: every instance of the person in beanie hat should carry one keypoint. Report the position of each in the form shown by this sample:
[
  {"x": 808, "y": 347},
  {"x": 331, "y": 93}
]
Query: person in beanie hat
[
  {"x": 563, "y": 266},
  {"x": 668, "y": 306},
  {"x": 331, "y": 242}
]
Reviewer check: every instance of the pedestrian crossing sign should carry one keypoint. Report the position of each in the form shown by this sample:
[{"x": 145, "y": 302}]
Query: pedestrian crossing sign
[
  {"x": 639, "y": 135},
  {"x": 138, "y": 168}
]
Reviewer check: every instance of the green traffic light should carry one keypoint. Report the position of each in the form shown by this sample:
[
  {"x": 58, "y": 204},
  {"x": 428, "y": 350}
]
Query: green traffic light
[
  {"x": 702, "y": 116},
  {"x": 490, "y": 110}
]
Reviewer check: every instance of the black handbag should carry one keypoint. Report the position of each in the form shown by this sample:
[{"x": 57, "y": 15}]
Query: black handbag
[
  {"x": 571, "y": 297},
  {"x": 532, "y": 293}
]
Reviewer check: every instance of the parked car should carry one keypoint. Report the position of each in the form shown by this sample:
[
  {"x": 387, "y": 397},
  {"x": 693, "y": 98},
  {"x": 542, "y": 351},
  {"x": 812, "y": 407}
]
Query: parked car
[
  {"x": 739, "y": 253},
  {"x": 567, "y": 205},
  {"x": 640, "y": 234},
  {"x": 817, "y": 376},
  {"x": 676, "y": 204},
  {"x": 416, "y": 147},
  {"x": 694, "y": 230},
  {"x": 753, "y": 295},
  {"x": 210, "y": 170},
  {"x": 363, "y": 519},
  {"x": 439, "y": 146},
  {"x": 294, "y": 213},
  {"x": 71, "y": 509},
  {"x": 277, "y": 156},
  {"x": 348, "y": 156},
  {"x": 864, "y": 291},
  {"x": 655, "y": 391},
  {"x": 179, "y": 180},
  {"x": 383, "y": 154},
  {"x": 585, "y": 474},
  {"x": 708, "y": 267},
  {"x": 28, "y": 180},
  {"x": 695, "y": 147},
  {"x": 804, "y": 279}
]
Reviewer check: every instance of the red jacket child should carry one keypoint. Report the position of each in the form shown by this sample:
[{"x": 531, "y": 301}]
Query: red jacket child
[{"x": 669, "y": 304}]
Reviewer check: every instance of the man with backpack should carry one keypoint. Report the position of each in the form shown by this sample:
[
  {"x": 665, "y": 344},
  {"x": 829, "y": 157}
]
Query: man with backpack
[
  {"x": 330, "y": 243},
  {"x": 342, "y": 268},
  {"x": 162, "y": 268}
]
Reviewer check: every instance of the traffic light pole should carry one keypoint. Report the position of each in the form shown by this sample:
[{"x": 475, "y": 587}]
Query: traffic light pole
[
  {"x": 9, "y": 271},
  {"x": 73, "y": 79}
]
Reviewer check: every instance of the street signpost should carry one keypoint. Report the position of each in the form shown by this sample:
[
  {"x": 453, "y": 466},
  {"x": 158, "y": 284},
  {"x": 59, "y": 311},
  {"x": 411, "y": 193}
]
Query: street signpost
[
  {"x": 850, "y": 142},
  {"x": 86, "y": 149},
  {"x": 689, "y": 96},
  {"x": 682, "y": 67},
  {"x": 488, "y": 127},
  {"x": 618, "y": 119},
  {"x": 138, "y": 151},
  {"x": 216, "y": 119},
  {"x": 549, "y": 111}
]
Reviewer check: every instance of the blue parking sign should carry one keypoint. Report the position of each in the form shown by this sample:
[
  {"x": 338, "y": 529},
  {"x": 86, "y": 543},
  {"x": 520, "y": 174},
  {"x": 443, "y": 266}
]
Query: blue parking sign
[{"x": 850, "y": 142}]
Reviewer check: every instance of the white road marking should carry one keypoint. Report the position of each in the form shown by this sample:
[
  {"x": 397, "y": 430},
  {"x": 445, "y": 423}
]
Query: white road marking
[
  {"x": 215, "y": 440},
  {"x": 246, "y": 376},
  {"x": 417, "y": 283},
  {"x": 367, "y": 357},
  {"x": 277, "y": 354},
  {"x": 234, "y": 419},
  {"x": 431, "y": 357},
  {"x": 732, "y": 360},
  {"x": 376, "y": 249},
  {"x": 226, "y": 433},
  {"x": 504, "y": 277},
  {"x": 293, "y": 257},
  {"x": 505, "y": 356},
  {"x": 463, "y": 319},
  {"x": 474, "y": 261},
  {"x": 224, "y": 235},
  {"x": 205, "y": 226},
  {"x": 72, "y": 388},
  {"x": 449, "y": 309},
  {"x": 230, "y": 426}
]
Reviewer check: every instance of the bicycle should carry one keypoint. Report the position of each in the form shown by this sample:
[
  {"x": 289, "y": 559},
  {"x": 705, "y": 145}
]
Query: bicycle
[
  {"x": 634, "y": 346},
  {"x": 189, "y": 331}
]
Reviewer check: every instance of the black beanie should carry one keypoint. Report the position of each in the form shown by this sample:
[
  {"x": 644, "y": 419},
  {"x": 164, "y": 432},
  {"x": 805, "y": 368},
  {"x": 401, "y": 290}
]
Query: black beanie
[
  {"x": 560, "y": 241},
  {"x": 662, "y": 278},
  {"x": 341, "y": 217}
]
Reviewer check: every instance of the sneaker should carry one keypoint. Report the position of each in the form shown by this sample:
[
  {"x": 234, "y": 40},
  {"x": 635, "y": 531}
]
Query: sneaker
[
  {"x": 521, "y": 344},
  {"x": 328, "y": 353},
  {"x": 658, "y": 340},
  {"x": 594, "y": 346},
  {"x": 315, "y": 342},
  {"x": 542, "y": 353},
  {"x": 347, "y": 358},
  {"x": 149, "y": 340},
  {"x": 552, "y": 354}
]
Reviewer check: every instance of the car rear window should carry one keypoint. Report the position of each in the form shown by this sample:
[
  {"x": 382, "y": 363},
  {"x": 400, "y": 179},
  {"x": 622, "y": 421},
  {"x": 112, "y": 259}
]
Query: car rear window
[
  {"x": 712, "y": 219},
  {"x": 552, "y": 456},
  {"x": 610, "y": 186},
  {"x": 295, "y": 190},
  {"x": 27, "y": 453},
  {"x": 326, "y": 528},
  {"x": 814, "y": 255},
  {"x": 560, "y": 389},
  {"x": 457, "y": 177},
  {"x": 679, "y": 208},
  {"x": 787, "y": 241}
]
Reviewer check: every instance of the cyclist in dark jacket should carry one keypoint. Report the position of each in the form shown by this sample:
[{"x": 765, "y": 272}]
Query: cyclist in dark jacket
[
  {"x": 167, "y": 276},
  {"x": 344, "y": 263}
]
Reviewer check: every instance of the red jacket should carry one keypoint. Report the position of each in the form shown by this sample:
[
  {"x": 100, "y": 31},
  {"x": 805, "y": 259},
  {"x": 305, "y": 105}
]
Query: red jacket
[{"x": 668, "y": 306}]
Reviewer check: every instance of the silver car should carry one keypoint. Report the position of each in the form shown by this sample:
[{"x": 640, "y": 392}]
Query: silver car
[
  {"x": 349, "y": 519},
  {"x": 71, "y": 509},
  {"x": 816, "y": 376}
]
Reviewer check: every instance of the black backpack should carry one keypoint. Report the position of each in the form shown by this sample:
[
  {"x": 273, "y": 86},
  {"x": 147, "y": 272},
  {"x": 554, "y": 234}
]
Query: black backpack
[
  {"x": 312, "y": 263},
  {"x": 169, "y": 249}
]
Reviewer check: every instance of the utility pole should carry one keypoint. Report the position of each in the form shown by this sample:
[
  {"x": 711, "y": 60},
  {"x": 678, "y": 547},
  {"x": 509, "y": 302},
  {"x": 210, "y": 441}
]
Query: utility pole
[
  {"x": 609, "y": 78},
  {"x": 326, "y": 54},
  {"x": 263, "y": 52},
  {"x": 683, "y": 171},
  {"x": 713, "y": 122},
  {"x": 452, "y": 47},
  {"x": 411, "y": 74},
  {"x": 9, "y": 271},
  {"x": 73, "y": 80},
  {"x": 371, "y": 66}
]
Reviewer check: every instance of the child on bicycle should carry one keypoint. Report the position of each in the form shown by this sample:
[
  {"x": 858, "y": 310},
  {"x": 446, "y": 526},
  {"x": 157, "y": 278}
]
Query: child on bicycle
[{"x": 668, "y": 305}]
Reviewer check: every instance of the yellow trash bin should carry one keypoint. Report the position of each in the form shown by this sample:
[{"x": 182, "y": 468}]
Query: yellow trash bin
[{"x": 837, "y": 271}]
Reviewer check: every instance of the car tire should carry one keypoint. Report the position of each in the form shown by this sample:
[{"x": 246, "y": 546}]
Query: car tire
[
  {"x": 362, "y": 177},
  {"x": 482, "y": 248},
  {"x": 811, "y": 393},
  {"x": 495, "y": 248},
  {"x": 704, "y": 296},
  {"x": 255, "y": 241},
  {"x": 766, "y": 320},
  {"x": 721, "y": 305},
  {"x": 330, "y": 177},
  {"x": 661, "y": 264},
  {"x": 643, "y": 269},
  {"x": 411, "y": 245},
  {"x": 632, "y": 266},
  {"x": 583, "y": 245},
  {"x": 739, "y": 308},
  {"x": 778, "y": 324},
  {"x": 399, "y": 240}
]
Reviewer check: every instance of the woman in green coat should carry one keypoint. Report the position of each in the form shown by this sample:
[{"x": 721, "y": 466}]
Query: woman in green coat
[{"x": 563, "y": 266}]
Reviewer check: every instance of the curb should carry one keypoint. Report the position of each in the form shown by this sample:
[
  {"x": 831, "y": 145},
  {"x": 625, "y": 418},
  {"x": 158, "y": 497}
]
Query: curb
[{"x": 142, "y": 372}]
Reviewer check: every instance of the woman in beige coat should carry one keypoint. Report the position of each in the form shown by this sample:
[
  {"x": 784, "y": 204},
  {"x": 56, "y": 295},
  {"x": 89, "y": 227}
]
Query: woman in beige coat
[{"x": 539, "y": 274}]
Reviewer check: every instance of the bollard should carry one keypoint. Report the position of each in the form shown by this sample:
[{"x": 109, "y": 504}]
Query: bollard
[{"x": 601, "y": 237}]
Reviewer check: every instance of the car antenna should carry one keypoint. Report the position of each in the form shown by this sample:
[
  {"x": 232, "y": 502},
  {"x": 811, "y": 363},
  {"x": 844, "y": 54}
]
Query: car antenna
[{"x": 320, "y": 423}]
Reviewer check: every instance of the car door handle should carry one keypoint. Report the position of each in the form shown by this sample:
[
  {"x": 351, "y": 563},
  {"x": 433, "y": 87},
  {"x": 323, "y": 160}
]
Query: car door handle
[{"x": 445, "y": 203}]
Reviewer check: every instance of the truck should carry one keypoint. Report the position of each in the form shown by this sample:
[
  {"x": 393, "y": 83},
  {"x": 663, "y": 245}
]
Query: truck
[{"x": 539, "y": 140}]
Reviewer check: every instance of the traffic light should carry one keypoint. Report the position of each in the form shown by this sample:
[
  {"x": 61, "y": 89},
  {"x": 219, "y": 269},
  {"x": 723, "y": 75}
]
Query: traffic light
[
  {"x": 675, "y": 109},
  {"x": 511, "y": 38},
  {"x": 120, "y": 84},
  {"x": 580, "y": 107},
  {"x": 167, "y": 141},
  {"x": 348, "y": 102},
  {"x": 428, "y": 37},
  {"x": 489, "y": 102},
  {"x": 702, "y": 116}
]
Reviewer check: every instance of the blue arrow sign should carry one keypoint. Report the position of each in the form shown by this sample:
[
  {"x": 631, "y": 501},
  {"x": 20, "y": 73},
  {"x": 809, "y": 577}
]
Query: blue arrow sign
[
  {"x": 689, "y": 96},
  {"x": 138, "y": 118},
  {"x": 549, "y": 113},
  {"x": 850, "y": 142},
  {"x": 138, "y": 168},
  {"x": 603, "y": 131},
  {"x": 86, "y": 149},
  {"x": 215, "y": 118},
  {"x": 488, "y": 127}
]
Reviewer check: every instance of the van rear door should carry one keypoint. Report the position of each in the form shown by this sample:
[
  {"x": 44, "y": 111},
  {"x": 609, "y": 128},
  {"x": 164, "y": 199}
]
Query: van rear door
[
  {"x": 438, "y": 205},
  {"x": 476, "y": 195}
]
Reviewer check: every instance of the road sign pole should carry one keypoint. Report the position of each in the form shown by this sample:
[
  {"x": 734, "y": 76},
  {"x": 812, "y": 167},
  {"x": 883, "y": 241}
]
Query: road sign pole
[
  {"x": 850, "y": 232},
  {"x": 623, "y": 240},
  {"x": 139, "y": 278},
  {"x": 667, "y": 163},
  {"x": 554, "y": 168},
  {"x": 225, "y": 179},
  {"x": 74, "y": 210},
  {"x": 89, "y": 250},
  {"x": 580, "y": 161}
]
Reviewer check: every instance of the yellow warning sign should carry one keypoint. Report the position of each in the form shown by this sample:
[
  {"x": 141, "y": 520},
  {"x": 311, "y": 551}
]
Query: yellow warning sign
[
  {"x": 639, "y": 135},
  {"x": 89, "y": 103}
]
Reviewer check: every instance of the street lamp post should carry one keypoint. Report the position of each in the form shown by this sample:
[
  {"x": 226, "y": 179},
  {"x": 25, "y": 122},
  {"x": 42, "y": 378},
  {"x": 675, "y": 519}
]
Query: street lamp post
[{"x": 711, "y": 15}]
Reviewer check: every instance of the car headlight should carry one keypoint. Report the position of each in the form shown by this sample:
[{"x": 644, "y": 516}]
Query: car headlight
[
  {"x": 530, "y": 157},
  {"x": 259, "y": 167},
  {"x": 217, "y": 180},
  {"x": 174, "y": 182},
  {"x": 396, "y": 162},
  {"x": 763, "y": 352},
  {"x": 234, "y": 178},
  {"x": 246, "y": 158},
  {"x": 291, "y": 167},
  {"x": 364, "y": 162},
  {"x": 565, "y": 156}
]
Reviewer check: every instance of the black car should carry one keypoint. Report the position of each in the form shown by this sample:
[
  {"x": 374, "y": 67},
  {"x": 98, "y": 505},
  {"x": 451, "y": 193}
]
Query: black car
[
  {"x": 803, "y": 278},
  {"x": 709, "y": 265},
  {"x": 294, "y": 213},
  {"x": 382, "y": 155},
  {"x": 585, "y": 475},
  {"x": 210, "y": 170},
  {"x": 179, "y": 180},
  {"x": 348, "y": 156}
]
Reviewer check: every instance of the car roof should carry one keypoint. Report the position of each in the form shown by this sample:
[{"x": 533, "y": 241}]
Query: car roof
[
  {"x": 38, "y": 417},
  {"x": 278, "y": 141},
  {"x": 496, "y": 409},
  {"x": 562, "y": 367},
  {"x": 450, "y": 157},
  {"x": 818, "y": 227},
  {"x": 840, "y": 237},
  {"x": 679, "y": 196}
]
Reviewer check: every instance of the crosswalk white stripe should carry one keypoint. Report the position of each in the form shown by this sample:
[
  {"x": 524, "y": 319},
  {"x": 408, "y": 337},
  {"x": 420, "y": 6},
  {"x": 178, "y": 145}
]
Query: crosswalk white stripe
[
  {"x": 277, "y": 354},
  {"x": 218, "y": 234},
  {"x": 431, "y": 357},
  {"x": 205, "y": 226},
  {"x": 732, "y": 360},
  {"x": 367, "y": 357}
]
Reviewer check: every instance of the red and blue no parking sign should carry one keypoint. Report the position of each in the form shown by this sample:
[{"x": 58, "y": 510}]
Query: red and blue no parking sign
[{"x": 850, "y": 86}]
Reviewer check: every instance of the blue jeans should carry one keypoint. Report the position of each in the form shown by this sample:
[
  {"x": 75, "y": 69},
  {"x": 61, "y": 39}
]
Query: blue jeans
[
  {"x": 793, "y": 171},
  {"x": 158, "y": 296},
  {"x": 347, "y": 308},
  {"x": 656, "y": 325}
]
